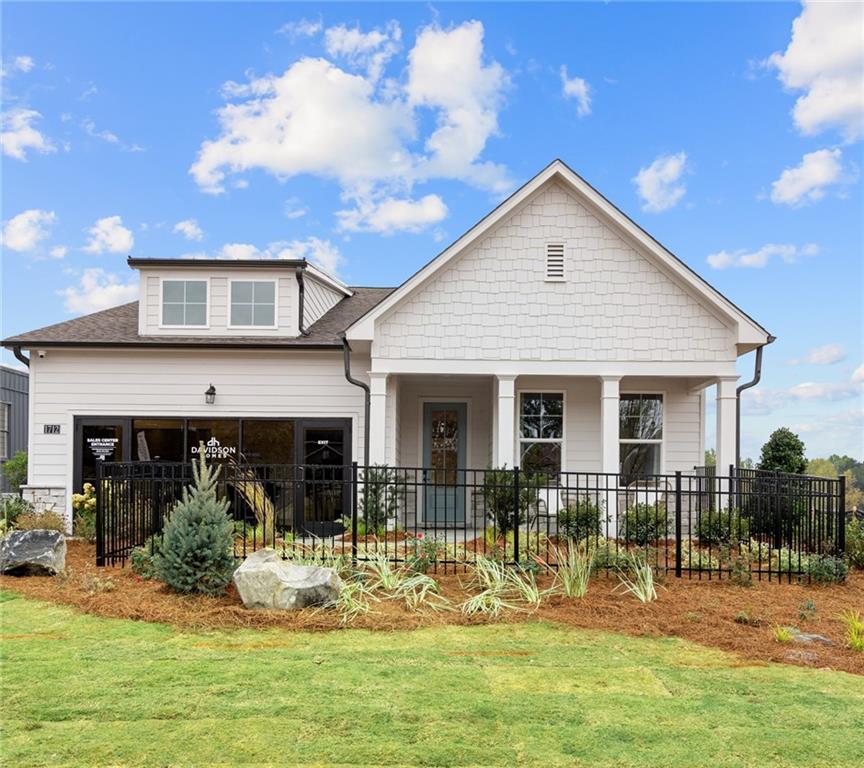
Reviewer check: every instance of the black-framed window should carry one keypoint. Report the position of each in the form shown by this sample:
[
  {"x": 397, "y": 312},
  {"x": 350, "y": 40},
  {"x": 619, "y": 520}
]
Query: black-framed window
[
  {"x": 541, "y": 431},
  {"x": 5, "y": 410},
  {"x": 640, "y": 436},
  {"x": 184, "y": 302},
  {"x": 253, "y": 303}
]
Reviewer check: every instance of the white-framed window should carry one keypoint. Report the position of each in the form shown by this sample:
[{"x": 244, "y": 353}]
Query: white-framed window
[
  {"x": 555, "y": 262},
  {"x": 640, "y": 436},
  {"x": 253, "y": 304},
  {"x": 5, "y": 409},
  {"x": 541, "y": 431},
  {"x": 184, "y": 303}
]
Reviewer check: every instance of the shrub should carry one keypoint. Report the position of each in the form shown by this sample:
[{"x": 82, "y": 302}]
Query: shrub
[
  {"x": 12, "y": 508},
  {"x": 783, "y": 452},
  {"x": 15, "y": 470},
  {"x": 722, "y": 527},
  {"x": 825, "y": 569},
  {"x": 48, "y": 520},
  {"x": 383, "y": 488},
  {"x": 579, "y": 520},
  {"x": 644, "y": 524},
  {"x": 855, "y": 543},
  {"x": 196, "y": 553},
  {"x": 499, "y": 497},
  {"x": 697, "y": 559},
  {"x": 84, "y": 509},
  {"x": 423, "y": 553},
  {"x": 141, "y": 558}
]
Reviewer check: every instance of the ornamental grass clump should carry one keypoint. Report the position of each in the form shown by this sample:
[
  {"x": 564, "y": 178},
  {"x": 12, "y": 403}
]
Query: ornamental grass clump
[
  {"x": 854, "y": 629},
  {"x": 575, "y": 565},
  {"x": 196, "y": 554},
  {"x": 639, "y": 582}
]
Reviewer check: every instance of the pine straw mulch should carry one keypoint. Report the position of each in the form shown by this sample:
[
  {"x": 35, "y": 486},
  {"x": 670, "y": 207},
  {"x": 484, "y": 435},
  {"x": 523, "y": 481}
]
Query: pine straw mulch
[{"x": 700, "y": 611}]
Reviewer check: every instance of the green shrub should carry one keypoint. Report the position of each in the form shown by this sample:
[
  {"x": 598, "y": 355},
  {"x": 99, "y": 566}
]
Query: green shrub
[
  {"x": 579, "y": 520},
  {"x": 15, "y": 470},
  {"x": 383, "y": 488},
  {"x": 499, "y": 497},
  {"x": 197, "y": 544},
  {"x": 717, "y": 527},
  {"x": 12, "y": 508},
  {"x": 644, "y": 524},
  {"x": 84, "y": 509},
  {"x": 855, "y": 543},
  {"x": 141, "y": 559},
  {"x": 826, "y": 569},
  {"x": 47, "y": 520}
]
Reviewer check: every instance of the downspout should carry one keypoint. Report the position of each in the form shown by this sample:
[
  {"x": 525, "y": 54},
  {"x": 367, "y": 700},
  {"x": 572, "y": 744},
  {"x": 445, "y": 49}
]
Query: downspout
[
  {"x": 21, "y": 356},
  {"x": 367, "y": 397},
  {"x": 302, "y": 286},
  {"x": 757, "y": 375}
]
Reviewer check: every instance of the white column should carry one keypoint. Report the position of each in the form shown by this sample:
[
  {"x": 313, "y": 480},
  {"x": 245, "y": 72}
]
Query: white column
[
  {"x": 377, "y": 418},
  {"x": 726, "y": 428},
  {"x": 505, "y": 408},
  {"x": 609, "y": 420}
]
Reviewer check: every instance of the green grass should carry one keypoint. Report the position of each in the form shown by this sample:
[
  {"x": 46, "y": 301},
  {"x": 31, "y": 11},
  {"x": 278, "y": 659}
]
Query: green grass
[{"x": 80, "y": 690}]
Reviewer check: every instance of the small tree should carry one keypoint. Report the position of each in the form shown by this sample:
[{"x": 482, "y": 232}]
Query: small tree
[
  {"x": 15, "y": 471},
  {"x": 196, "y": 552},
  {"x": 783, "y": 452},
  {"x": 383, "y": 489},
  {"x": 710, "y": 458}
]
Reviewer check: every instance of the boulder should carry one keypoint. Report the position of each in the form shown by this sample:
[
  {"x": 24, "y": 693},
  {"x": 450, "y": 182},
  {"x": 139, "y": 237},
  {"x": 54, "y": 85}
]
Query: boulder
[
  {"x": 264, "y": 580},
  {"x": 33, "y": 552}
]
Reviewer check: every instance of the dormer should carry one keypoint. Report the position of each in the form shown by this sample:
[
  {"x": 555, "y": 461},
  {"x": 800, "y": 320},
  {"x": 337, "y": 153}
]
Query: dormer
[{"x": 226, "y": 297}]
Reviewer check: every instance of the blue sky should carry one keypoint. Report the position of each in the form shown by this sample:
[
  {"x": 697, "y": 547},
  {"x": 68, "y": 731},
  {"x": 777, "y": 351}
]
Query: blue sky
[{"x": 168, "y": 130}]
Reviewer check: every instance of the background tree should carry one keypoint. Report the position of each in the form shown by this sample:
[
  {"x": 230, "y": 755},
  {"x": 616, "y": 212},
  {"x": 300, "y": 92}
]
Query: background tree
[
  {"x": 710, "y": 458},
  {"x": 783, "y": 452},
  {"x": 827, "y": 468}
]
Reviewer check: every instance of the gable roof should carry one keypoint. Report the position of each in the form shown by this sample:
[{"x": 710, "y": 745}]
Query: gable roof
[
  {"x": 750, "y": 333},
  {"x": 118, "y": 327}
]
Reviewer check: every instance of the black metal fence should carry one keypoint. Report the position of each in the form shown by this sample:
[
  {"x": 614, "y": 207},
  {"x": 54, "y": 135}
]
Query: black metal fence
[{"x": 747, "y": 524}]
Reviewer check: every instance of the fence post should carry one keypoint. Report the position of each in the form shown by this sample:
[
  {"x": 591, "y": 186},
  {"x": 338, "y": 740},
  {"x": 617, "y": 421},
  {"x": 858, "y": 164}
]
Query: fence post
[
  {"x": 678, "y": 524},
  {"x": 517, "y": 516},
  {"x": 354, "y": 513},
  {"x": 100, "y": 518},
  {"x": 841, "y": 516}
]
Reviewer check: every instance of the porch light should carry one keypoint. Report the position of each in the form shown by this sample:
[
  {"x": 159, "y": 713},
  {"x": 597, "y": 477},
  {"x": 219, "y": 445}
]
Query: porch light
[{"x": 210, "y": 395}]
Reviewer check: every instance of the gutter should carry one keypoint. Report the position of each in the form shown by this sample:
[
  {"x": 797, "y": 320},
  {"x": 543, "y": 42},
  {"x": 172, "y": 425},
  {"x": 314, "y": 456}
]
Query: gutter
[
  {"x": 302, "y": 286},
  {"x": 757, "y": 376},
  {"x": 21, "y": 357},
  {"x": 367, "y": 396}
]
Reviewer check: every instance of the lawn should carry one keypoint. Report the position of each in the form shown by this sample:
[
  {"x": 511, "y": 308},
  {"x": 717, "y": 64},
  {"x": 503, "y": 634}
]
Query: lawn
[{"x": 82, "y": 690}]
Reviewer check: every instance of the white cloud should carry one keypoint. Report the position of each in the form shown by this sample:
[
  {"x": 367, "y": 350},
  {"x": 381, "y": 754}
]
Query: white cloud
[
  {"x": 760, "y": 257},
  {"x": 58, "y": 252},
  {"x": 189, "y": 229},
  {"x": 766, "y": 400},
  {"x": 301, "y": 28},
  {"x": 659, "y": 184},
  {"x": 90, "y": 129},
  {"x": 109, "y": 235},
  {"x": 294, "y": 208},
  {"x": 825, "y": 60},
  {"x": 23, "y": 63},
  {"x": 319, "y": 119},
  {"x": 320, "y": 252},
  {"x": 18, "y": 135},
  {"x": 97, "y": 289},
  {"x": 858, "y": 374},
  {"x": 578, "y": 89},
  {"x": 827, "y": 354},
  {"x": 240, "y": 252},
  {"x": 393, "y": 215},
  {"x": 23, "y": 232},
  {"x": 368, "y": 50},
  {"x": 807, "y": 182}
]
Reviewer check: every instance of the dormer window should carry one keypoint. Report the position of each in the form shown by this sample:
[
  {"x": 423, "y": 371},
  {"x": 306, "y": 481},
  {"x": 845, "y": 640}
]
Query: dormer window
[
  {"x": 555, "y": 262},
  {"x": 253, "y": 304},
  {"x": 184, "y": 303}
]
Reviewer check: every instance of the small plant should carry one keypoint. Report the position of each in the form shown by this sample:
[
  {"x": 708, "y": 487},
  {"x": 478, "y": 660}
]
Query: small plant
[
  {"x": 15, "y": 470},
  {"x": 95, "y": 585},
  {"x": 641, "y": 585},
  {"x": 697, "y": 559},
  {"x": 854, "y": 629},
  {"x": 418, "y": 591},
  {"x": 806, "y": 610},
  {"x": 579, "y": 520},
  {"x": 423, "y": 554},
  {"x": 321, "y": 553},
  {"x": 499, "y": 495},
  {"x": 353, "y": 600},
  {"x": 48, "y": 520},
  {"x": 722, "y": 527},
  {"x": 500, "y": 589},
  {"x": 382, "y": 490},
  {"x": 826, "y": 569},
  {"x": 742, "y": 574},
  {"x": 197, "y": 544},
  {"x": 84, "y": 511},
  {"x": 748, "y": 617},
  {"x": 12, "y": 508},
  {"x": 383, "y": 575},
  {"x": 783, "y": 635},
  {"x": 575, "y": 564},
  {"x": 141, "y": 558},
  {"x": 644, "y": 524},
  {"x": 524, "y": 584}
]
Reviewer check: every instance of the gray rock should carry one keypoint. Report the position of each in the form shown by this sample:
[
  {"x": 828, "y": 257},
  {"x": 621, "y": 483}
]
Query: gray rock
[
  {"x": 33, "y": 552},
  {"x": 264, "y": 580},
  {"x": 803, "y": 637},
  {"x": 806, "y": 657}
]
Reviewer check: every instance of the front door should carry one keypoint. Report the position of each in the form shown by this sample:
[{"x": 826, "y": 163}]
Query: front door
[
  {"x": 325, "y": 488},
  {"x": 98, "y": 439},
  {"x": 444, "y": 454}
]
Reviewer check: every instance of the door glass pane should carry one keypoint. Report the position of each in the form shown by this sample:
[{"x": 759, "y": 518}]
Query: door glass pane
[
  {"x": 323, "y": 447},
  {"x": 445, "y": 445},
  {"x": 268, "y": 441},
  {"x": 157, "y": 439},
  {"x": 544, "y": 458},
  {"x": 641, "y": 417},
  {"x": 639, "y": 460},
  {"x": 220, "y": 438},
  {"x": 99, "y": 442}
]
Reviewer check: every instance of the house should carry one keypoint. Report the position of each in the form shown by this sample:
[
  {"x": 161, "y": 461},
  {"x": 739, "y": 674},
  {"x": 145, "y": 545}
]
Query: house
[
  {"x": 13, "y": 417},
  {"x": 555, "y": 334}
]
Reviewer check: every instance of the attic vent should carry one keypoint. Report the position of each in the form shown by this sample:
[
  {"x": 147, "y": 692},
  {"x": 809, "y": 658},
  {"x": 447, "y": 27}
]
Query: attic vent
[{"x": 555, "y": 262}]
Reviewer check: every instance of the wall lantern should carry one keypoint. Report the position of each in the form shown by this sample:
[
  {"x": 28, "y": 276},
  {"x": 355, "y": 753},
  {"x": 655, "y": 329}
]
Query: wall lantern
[{"x": 210, "y": 395}]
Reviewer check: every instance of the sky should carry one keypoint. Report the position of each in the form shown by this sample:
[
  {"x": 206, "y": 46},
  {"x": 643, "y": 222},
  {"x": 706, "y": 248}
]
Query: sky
[{"x": 368, "y": 137}]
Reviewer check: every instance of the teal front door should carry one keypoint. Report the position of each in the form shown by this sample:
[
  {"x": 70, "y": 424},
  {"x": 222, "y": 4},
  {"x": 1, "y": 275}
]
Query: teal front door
[{"x": 444, "y": 441}]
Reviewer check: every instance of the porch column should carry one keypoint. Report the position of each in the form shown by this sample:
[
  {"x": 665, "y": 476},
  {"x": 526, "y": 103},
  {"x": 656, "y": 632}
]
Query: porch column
[
  {"x": 726, "y": 428},
  {"x": 377, "y": 418},
  {"x": 504, "y": 412},
  {"x": 609, "y": 420}
]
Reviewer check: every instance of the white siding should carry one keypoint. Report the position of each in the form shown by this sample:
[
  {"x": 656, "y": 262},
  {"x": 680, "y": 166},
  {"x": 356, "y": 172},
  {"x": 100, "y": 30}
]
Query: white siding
[
  {"x": 219, "y": 302},
  {"x": 493, "y": 302},
  {"x": 162, "y": 382},
  {"x": 318, "y": 299}
]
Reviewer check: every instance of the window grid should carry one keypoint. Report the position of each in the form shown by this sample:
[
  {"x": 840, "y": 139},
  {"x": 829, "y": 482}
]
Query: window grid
[
  {"x": 541, "y": 431},
  {"x": 253, "y": 303},
  {"x": 4, "y": 431},
  {"x": 184, "y": 303},
  {"x": 646, "y": 410}
]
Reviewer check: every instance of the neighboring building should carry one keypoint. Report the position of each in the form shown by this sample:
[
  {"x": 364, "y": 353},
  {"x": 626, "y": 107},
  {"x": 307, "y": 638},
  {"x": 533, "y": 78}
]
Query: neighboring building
[
  {"x": 13, "y": 417},
  {"x": 555, "y": 333}
]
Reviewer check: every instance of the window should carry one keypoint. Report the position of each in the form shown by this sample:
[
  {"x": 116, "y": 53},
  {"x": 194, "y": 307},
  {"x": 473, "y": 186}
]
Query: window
[
  {"x": 253, "y": 303},
  {"x": 640, "y": 436},
  {"x": 541, "y": 431},
  {"x": 184, "y": 302},
  {"x": 555, "y": 262},
  {"x": 4, "y": 431}
]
